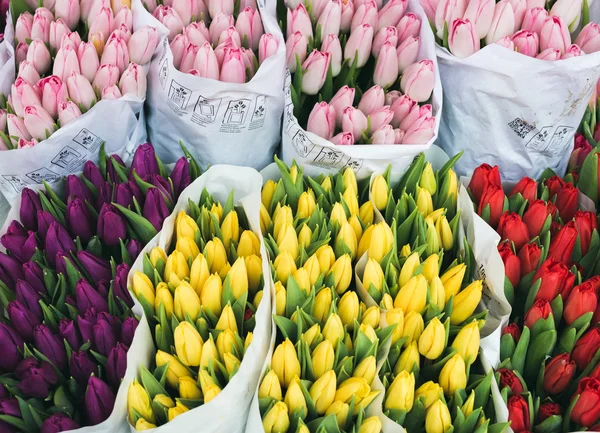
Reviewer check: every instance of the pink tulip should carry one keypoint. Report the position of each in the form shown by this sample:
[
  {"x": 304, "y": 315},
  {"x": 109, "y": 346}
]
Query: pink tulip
[
  {"x": 481, "y": 13},
  {"x": 219, "y": 23},
  {"x": 67, "y": 112},
  {"x": 384, "y": 135},
  {"x": 330, "y": 19},
  {"x": 372, "y": 100},
  {"x": 331, "y": 44},
  {"x": 123, "y": 18},
  {"x": 26, "y": 144},
  {"x": 185, "y": 9},
  {"x": 430, "y": 6},
  {"x": 89, "y": 9},
  {"x": 506, "y": 42},
  {"x": 53, "y": 92},
  {"x": 386, "y": 66},
  {"x": 589, "y": 38},
  {"x": 201, "y": 12},
  {"x": 555, "y": 34},
  {"x": 88, "y": 60},
  {"x": 23, "y": 27},
  {"x": 380, "y": 117},
  {"x": 142, "y": 44},
  {"x": 415, "y": 113},
  {"x": 409, "y": 26},
  {"x": 45, "y": 12},
  {"x": 420, "y": 132},
  {"x": 402, "y": 107},
  {"x": 230, "y": 33},
  {"x": 534, "y": 19},
  {"x": 118, "y": 5},
  {"x": 549, "y": 54},
  {"x": 343, "y": 99},
  {"x": 133, "y": 81},
  {"x": 249, "y": 25},
  {"x": 58, "y": 28},
  {"x": 391, "y": 96},
  {"x": 220, "y": 50},
  {"x": 39, "y": 56},
  {"x": 69, "y": 11},
  {"x": 408, "y": 53},
  {"x": 38, "y": 122},
  {"x": 343, "y": 139},
  {"x": 321, "y": 120},
  {"x": 347, "y": 14},
  {"x": 194, "y": 72},
  {"x": 299, "y": 21},
  {"x": 23, "y": 94},
  {"x": 107, "y": 75},
  {"x": 314, "y": 72},
  {"x": 365, "y": 14},
  {"x": 215, "y": 7},
  {"x": 16, "y": 129},
  {"x": 418, "y": 80},
  {"x": 386, "y": 34},
  {"x": 503, "y": 22},
  {"x": 3, "y": 114},
  {"x": 197, "y": 33},
  {"x": 526, "y": 42},
  {"x": 178, "y": 46},
  {"x": 170, "y": 19},
  {"x": 102, "y": 22},
  {"x": 81, "y": 91},
  {"x": 569, "y": 11},
  {"x": 447, "y": 11},
  {"x": 519, "y": 9},
  {"x": 391, "y": 13},
  {"x": 189, "y": 55},
  {"x": 21, "y": 52},
  {"x": 398, "y": 136},
  {"x": 463, "y": 40},
  {"x": 123, "y": 32},
  {"x": 28, "y": 72},
  {"x": 358, "y": 46},
  {"x": 206, "y": 62},
  {"x": 316, "y": 8},
  {"x": 72, "y": 39},
  {"x": 267, "y": 47},
  {"x": 295, "y": 46},
  {"x": 232, "y": 68},
  {"x": 250, "y": 62},
  {"x": 355, "y": 121},
  {"x": 116, "y": 53},
  {"x": 573, "y": 51}
]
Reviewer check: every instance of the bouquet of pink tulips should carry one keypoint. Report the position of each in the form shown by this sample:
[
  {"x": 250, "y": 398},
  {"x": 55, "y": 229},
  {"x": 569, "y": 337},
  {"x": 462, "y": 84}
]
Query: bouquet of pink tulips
[
  {"x": 358, "y": 77},
  {"x": 63, "y": 71},
  {"x": 218, "y": 39},
  {"x": 529, "y": 27}
]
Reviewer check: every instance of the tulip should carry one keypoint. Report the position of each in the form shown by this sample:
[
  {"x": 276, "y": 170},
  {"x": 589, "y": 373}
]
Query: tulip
[
  {"x": 554, "y": 34},
  {"x": 22, "y": 320},
  {"x": 534, "y": 19},
  {"x": 372, "y": 100},
  {"x": 413, "y": 295},
  {"x": 558, "y": 373},
  {"x": 170, "y": 19},
  {"x": 418, "y": 81},
  {"x": 342, "y": 272},
  {"x": 585, "y": 412},
  {"x": 117, "y": 364},
  {"x": 268, "y": 45},
  {"x": 572, "y": 51},
  {"x": 420, "y": 132},
  {"x": 589, "y": 38},
  {"x": 358, "y": 46},
  {"x": 142, "y": 44},
  {"x": 80, "y": 91},
  {"x": 321, "y": 120},
  {"x": 105, "y": 337},
  {"x": 298, "y": 20},
  {"x": 430, "y": 391},
  {"x": 23, "y": 95},
  {"x": 556, "y": 279},
  {"x": 270, "y": 386},
  {"x": 50, "y": 345},
  {"x": 482, "y": 176},
  {"x": 568, "y": 11},
  {"x": 188, "y": 344},
  {"x": 176, "y": 369},
  {"x": 536, "y": 215},
  {"x": 512, "y": 263},
  {"x": 23, "y": 27},
  {"x": 330, "y": 18},
  {"x": 386, "y": 66},
  {"x": 566, "y": 202},
  {"x": 40, "y": 28},
  {"x": 518, "y": 413},
  {"x": 453, "y": 375},
  {"x": 331, "y": 45},
  {"x": 354, "y": 121},
  {"x": 562, "y": 245},
  {"x": 314, "y": 72},
  {"x": 466, "y": 302},
  {"x": 277, "y": 418},
  {"x": 285, "y": 362},
  {"x": 540, "y": 310},
  {"x": 38, "y": 122},
  {"x": 511, "y": 227},
  {"x": 295, "y": 46},
  {"x": 249, "y": 25},
  {"x": 503, "y": 22},
  {"x": 58, "y": 422},
  {"x": 221, "y": 27},
  {"x": 35, "y": 377},
  {"x": 526, "y": 42},
  {"x": 391, "y": 13},
  {"x": 116, "y": 53},
  {"x": 28, "y": 72},
  {"x": 408, "y": 27},
  {"x": 88, "y": 297},
  {"x": 111, "y": 225},
  {"x": 232, "y": 68},
  {"x": 480, "y": 13},
  {"x": 408, "y": 52},
  {"x": 99, "y": 400},
  {"x": 586, "y": 223},
  {"x": 400, "y": 394},
  {"x": 133, "y": 81}
]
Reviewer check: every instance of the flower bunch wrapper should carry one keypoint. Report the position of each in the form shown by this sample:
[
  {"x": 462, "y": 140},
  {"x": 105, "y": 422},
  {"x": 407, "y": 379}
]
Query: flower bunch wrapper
[{"x": 223, "y": 183}]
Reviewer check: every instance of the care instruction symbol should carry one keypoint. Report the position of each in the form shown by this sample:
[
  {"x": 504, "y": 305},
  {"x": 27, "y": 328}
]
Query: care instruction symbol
[{"x": 236, "y": 112}]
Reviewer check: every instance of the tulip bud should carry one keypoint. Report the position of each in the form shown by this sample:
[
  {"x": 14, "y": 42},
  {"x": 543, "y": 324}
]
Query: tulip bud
[
  {"x": 321, "y": 120},
  {"x": 285, "y": 363},
  {"x": 322, "y": 305},
  {"x": 358, "y": 46},
  {"x": 270, "y": 386},
  {"x": 589, "y": 38},
  {"x": 430, "y": 391},
  {"x": 409, "y": 359},
  {"x": 333, "y": 331},
  {"x": 277, "y": 418},
  {"x": 342, "y": 273},
  {"x": 413, "y": 295},
  {"x": 433, "y": 339},
  {"x": 503, "y": 22},
  {"x": 453, "y": 375},
  {"x": 365, "y": 13},
  {"x": 175, "y": 370},
  {"x": 466, "y": 302},
  {"x": 438, "y": 418},
  {"x": 323, "y": 391},
  {"x": 413, "y": 327},
  {"x": 314, "y": 72},
  {"x": 400, "y": 394},
  {"x": 554, "y": 34},
  {"x": 38, "y": 122}
]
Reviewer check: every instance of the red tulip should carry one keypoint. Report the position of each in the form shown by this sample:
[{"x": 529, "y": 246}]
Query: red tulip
[
  {"x": 512, "y": 264},
  {"x": 527, "y": 187},
  {"x": 567, "y": 201},
  {"x": 555, "y": 184},
  {"x": 518, "y": 413},
  {"x": 582, "y": 300},
  {"x": 482, "y": 176},
  {"x": 587, "y": 409},
  {"x": 539, "y": 310},
  {"x": 514, "y": 330},
  {"x": 536, "y": 215},
  {"x": 595, "y": 372},
  {"x": 586, "y": 223},
  {"x": 510, "y": 379},
  {"x": 512, "y": 227},
  {"x": 547, "y": 410},
  {"x": 493, "y": 195},
  {"x": 586, "y": 347},
  {"x": 561, "y": 247},
  {"x": 558, "y": 373},
  {"x": 556, "y": 280},
  {"x": 530, "y": 258}
]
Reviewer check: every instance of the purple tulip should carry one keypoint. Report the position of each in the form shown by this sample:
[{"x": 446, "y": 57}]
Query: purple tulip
[
  {"x": 134, "y": 248},
  {"x": 33, "y": 274},
  {"x": 58, "y": 239},
  {"x": 44, "y": 220},
  {"x": 29, "y": 298},
  {"x": 71, "y": 301},
  {"x": 92, "y": 173},
  {"x": 128, "y": 330},
  {"x": 104, "y": 195},
  {"x": 120, "y": 290},
  {"x": 11, "y": 270},
  {"x": 21, "y": 245},
  {"x": 161, "y": 183},
  {"x": 155, "y": 209},
  {"x": 98, "y": 269},
  {"x": 116, "y": 364},
  {"x": 82, "y": 366},
  {"x": 181, "y": 175},
  {"x": 22, "y": 320},
  {"x": 12, "y": 346},
  {"x": 68, "y": 331},
  {"x": 10, "y": 406},
  {"x": 114, "y": 321},
  {"x": 137, "y": 192},
  {"x": 36, "y": 377},
  {"x": 103, "y": 288},
  {"x": 79, "y": 219},
  {"x": 144, "y": 161},
  {"x": 76, "y": 188},
  {"x": 123, "y": 195},
  {"x": 61, "y": 262},
  {"x": 86, "y": 324},
  {"x": 88, "y": 297},
  {"x": 50, "y": 345},
  {"x": 104, "y": 336},
  {"x": 30, "y": 206},
  {"x": 111, "y": 225},
  {"x": 6, "y": 427},
  {"x": 110, "y": 169},
  {"x": 99, "y": 400},
  {"x": 57, "y": 423},
  {"x": 4, "y": 392}
]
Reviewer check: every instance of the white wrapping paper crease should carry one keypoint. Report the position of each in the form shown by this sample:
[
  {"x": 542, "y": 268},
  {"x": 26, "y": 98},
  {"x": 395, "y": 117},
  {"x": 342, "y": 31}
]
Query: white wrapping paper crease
[
  {"x": 220, "y": 123},
  {"x": 310, "y": 149},
  {"x": 228, "y": 411},
  {"x": 517, "y": 111}
]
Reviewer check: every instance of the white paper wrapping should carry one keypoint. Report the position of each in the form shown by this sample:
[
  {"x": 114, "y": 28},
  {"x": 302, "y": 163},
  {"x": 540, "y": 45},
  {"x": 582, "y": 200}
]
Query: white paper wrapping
[
  {"x": 229, "y": 410},
  {"x": 310, "y": 149},
  {"x": 220, "y": 123}
]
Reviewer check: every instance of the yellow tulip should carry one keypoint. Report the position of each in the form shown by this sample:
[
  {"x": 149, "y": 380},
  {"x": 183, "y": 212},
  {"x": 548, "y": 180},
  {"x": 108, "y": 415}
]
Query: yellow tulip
[
  {"x": 188, "y": 389},
  {"x": 306, "y": 204},
  {"x": 354, "y": 222},
  {"x": 186, "y": 302},
  {"x": 176, "y": 369},
  {"x": 212, "y": 293},
  {"x": 395, "y": 316},
  {"x": 277, "y": 419},
  {"x": 265, "y": 220},
  {"x": 365, "y": 241},
  {"x": 199, "y": 273},
  {"x": 142, "y": 286},
  {"x": 270, "y": 386},
  {"x": 465, "y": 302},
  {"x": 211, "y": 393},
  {"x": 366, "y": 213},
  {"x": 371, "y": 316},
  {"x": 432, "y": 238},
  {"x": 280, "y": 298},
  {"x": 427, "y": 180},
  {"x": 438, "y": 418},
  {"x": 467, "y": 342},
  {"x": 333, "y": 331},
  {"x": 142, "y": 425},
  {"x": 254, "y": 269},
  {"x": 382, "y": 241},
  {"x": 281, "y": 218},
  {"x": 342, "y": 273},
  {"x": 187, "y": 246},
  {"x": 215, "y": 255},
  {"x": 409, "y": 359},
  {"x": 413, "y": 327},
  {"x": 164, "y": 298},
  {"x": 174, "y": 412},
  {"x": 217, "y": 210},
  {"x": 287, "y": 240},
  {"x": 232, "y": 364},
  {"x": 157, "y": 255},
  {"x": 348, "y": 308},
  {"x": 431, "y": 267},
  {"x": 227, "y": 320},
  {"x": 469, "y": 405},
  {"x": 248, "y": 340},
  {"x": 453, "y": 186},
  {"x": 444, "y": 233},
  {"x": 347, "y": 235},
  {"x": 302, "y": 278},
  {"x": 340, "y": 410},
  {"x": 430, "y": 392},
  {"x": 164, "y": 400},
  {"x": 401, "y": 393},
  {"x": 98, "y": 43},
  {"x": 138, "y": 399},
  {"x": 305, "y": 236},
  {"x": 370, "y": 425},
  {"x": 408, "y": 268},
  {"x": 452, "y": 280},
  {"x": 284, "y": 266},
  {"x": 326, "y": 183},
  {"x": 424, "y": 201},
  {"x": 177, "y": 268},
  {"x": 249, "y": 244},
  {"x": 185, "y": 226},
  {"x": 322, "y": 304},
  {"x": 338, "y": 214},
  {"x": 238, "y": 278},
  {"x": 230, "y": 228},
  {"x": 437, "y": 293},
  {"x": 413, "y": 295},
  {"x": 326, "y": 257},
  {"x": 348, "y": 342},
  {"x": 322, "y": 358},
  {"x": 405, "y": 251},
  {"x": 351, "y": 199},
  {"x": 210, "y": 354},
  {"x": 312, "y": 336},
  {"x": 353, "y": 387},
  {"x": 366, "y": 369},
  {"x": 188, "y": 344},
  {"x": 313, "y": 268},
  {"x": 453, "y": 375},
  {"x": 323, "y": 391},
  {"x": 294, "y": 172},
  {"x": 379, "y": 192},
  {"x": 349, "y": 179},
  {"x": 437, "y": 214},
  {"x": 387, "y": 303},
  {"x": 294, "y": 398},
  {"x": 227, "y": 342},
  {"x": 285, "y": 362},
  {"x": 368, "y": 331},
  {"x": 266, "y": 195},
  {"x": 433, "y": 339}
]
